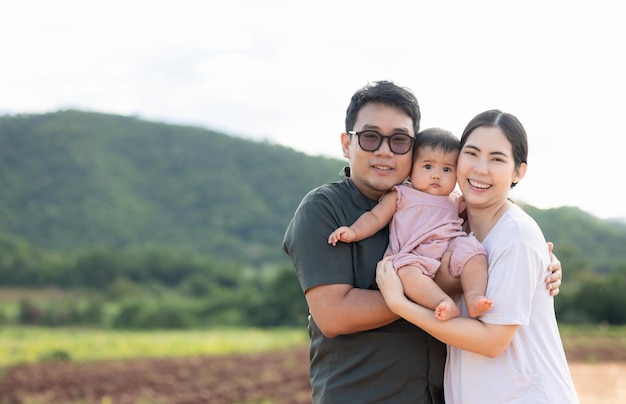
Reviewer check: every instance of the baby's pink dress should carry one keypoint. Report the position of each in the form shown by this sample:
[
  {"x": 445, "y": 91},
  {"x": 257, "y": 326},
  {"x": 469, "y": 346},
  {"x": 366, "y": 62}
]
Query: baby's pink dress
[{"x": 424, "y": 227}]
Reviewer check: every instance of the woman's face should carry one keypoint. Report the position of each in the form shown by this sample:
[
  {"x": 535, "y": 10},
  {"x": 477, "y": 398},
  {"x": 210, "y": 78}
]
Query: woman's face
[{"x": 486, "y": 168}]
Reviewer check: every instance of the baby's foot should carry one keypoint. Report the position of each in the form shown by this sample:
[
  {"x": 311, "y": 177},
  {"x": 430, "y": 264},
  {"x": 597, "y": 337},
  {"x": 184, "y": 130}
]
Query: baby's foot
[
  {"x": 477, "y": 305},
  {"x": 446, "y": 309}
]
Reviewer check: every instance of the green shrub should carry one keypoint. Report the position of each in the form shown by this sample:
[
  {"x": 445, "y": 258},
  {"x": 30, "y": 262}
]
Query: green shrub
[
  {"x": 149, "y": 313},
  {"x": 57, "y": 355}
]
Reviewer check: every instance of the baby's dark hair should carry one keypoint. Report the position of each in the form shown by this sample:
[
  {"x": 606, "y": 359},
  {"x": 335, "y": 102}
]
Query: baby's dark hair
[{"x": 436, "y": 139}]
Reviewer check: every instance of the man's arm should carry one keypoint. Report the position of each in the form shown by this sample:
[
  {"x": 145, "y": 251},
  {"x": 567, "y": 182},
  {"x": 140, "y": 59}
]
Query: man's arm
[
  {"x": 342, "y": 309},
  {"x": 326, "y": 273}
]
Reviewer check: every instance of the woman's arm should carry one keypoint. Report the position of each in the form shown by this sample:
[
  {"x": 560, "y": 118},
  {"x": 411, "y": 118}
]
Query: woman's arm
[
  {"x": 464, "y": 333},
  {"x": 452, "y": 285}
]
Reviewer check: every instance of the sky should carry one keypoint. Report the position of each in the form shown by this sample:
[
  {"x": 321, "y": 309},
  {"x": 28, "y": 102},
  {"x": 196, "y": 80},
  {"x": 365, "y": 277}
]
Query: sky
[{"x": 284, "y": 71}]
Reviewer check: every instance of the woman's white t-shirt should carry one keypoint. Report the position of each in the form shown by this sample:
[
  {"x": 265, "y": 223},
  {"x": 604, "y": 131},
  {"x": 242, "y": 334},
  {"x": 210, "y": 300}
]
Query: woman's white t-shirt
[{"x": 533, "y": 368}]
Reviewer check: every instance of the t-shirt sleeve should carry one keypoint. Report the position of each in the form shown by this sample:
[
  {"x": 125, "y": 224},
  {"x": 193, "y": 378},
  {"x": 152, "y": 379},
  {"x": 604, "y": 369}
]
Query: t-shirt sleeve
[
  {"x": 306, "y": 241},
  {"x": 513, "y": 280}
]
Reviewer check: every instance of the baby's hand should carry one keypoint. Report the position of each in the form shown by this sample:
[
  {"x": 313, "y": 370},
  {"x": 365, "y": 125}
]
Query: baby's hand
[{"x": 344, "y": 233}]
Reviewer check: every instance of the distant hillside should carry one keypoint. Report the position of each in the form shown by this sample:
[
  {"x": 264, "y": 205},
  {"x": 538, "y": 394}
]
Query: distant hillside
[
  {"x": 73, "y": 179},
  {"x": 601, "y": 243}
]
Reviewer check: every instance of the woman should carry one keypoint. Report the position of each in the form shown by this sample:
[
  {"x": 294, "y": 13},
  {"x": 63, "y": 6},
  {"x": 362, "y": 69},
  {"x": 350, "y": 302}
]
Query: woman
[{"x": 513, "y": 353}]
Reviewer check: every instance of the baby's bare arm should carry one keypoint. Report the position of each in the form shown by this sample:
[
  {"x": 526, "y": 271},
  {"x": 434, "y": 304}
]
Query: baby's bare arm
[
  {"x": 369, "y": 223},
  {"x": 376, "y": 219},
  {"x": 344, "y": 233}
]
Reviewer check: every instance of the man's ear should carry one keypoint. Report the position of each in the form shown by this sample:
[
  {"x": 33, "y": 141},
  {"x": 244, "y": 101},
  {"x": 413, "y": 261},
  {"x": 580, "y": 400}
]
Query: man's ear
[{"x": 345, "y": 144}]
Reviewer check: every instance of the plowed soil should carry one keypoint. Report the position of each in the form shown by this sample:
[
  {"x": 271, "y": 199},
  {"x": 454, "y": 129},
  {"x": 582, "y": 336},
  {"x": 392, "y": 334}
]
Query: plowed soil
[{"x": 274, "y": 377}]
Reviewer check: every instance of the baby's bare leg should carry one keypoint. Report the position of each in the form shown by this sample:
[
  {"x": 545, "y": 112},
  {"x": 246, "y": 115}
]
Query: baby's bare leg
[
  {"x": 474, "y": 283},
  {"x": 423, "y": 290}
]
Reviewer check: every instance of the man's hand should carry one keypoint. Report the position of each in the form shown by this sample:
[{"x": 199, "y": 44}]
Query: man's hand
[{"x": 553, "y": 281}]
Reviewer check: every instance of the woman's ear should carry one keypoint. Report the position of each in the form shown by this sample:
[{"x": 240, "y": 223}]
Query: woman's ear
[{"x": 519, "y": 173}]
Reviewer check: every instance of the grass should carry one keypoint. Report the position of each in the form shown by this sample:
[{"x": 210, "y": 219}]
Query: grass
[
  {"x": 592, "y": 342},
  {"x": 593, "y": 335},
  {"x": 19, "y": 344},
  {"x": 35, "y": 344}
]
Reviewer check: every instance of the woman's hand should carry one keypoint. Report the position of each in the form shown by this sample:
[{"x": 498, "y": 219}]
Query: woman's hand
[
  {"x": 553, "y": 281},
  {"x": 389, "y": 283}
]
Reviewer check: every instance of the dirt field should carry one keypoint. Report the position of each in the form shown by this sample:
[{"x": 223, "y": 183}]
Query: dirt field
[{"x": 278, "y": 377}]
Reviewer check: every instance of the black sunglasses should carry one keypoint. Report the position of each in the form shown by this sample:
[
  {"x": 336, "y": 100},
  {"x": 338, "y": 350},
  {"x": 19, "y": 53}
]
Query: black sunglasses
[{"x": 371, "y": 140}]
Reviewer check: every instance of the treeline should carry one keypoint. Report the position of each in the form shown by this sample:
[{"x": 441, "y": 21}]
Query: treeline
[
  {"x": 147, "y": 288},
  {"x": 161, "y": 288},
  {"x": 589, "y": 298}
]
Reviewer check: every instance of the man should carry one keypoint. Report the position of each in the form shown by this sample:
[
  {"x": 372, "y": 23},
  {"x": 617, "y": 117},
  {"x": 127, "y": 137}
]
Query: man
[{"x": 360, "y": 351}]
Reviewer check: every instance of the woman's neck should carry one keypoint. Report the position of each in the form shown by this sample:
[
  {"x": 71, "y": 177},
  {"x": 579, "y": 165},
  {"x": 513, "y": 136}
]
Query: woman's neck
[{"x": 482, "y": 220}]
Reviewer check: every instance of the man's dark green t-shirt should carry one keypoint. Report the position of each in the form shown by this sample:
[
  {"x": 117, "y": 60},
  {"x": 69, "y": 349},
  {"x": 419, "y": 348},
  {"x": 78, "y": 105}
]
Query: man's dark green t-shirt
[{"x": 397, "y": 363}]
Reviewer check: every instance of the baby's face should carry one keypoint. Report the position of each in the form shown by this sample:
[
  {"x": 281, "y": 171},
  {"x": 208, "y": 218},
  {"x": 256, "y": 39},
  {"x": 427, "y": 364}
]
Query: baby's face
[{"x": 434, "y": 171}]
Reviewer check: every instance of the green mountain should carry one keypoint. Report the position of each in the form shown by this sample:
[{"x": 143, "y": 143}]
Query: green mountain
[
  {"x": 72, "y": 180},
  {"x": 587, "y": 239}
]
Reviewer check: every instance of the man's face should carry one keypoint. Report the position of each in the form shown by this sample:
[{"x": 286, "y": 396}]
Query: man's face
[{"x": 374, "y": 173}]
